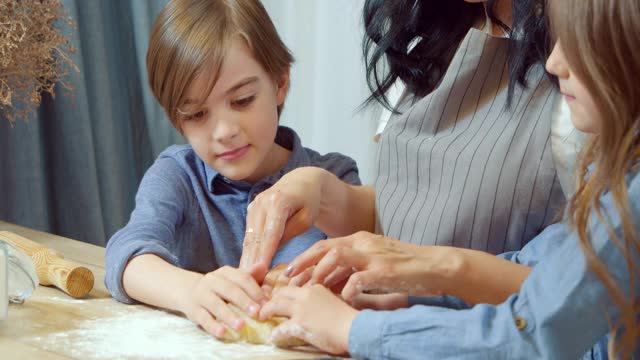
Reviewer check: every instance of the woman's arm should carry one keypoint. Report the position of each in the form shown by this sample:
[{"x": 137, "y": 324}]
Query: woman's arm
[
  {"x": 372, "y": 263},
  {"x": 482, "y": 278},
  {"x": 345, "y": 209},
  {"x": 304, "y": 197}
]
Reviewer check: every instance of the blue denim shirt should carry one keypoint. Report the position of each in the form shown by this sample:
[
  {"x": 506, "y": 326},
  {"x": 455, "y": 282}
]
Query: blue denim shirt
[
  {"x": 194, "y": 218},
  {"x": 561, "y": 312}
]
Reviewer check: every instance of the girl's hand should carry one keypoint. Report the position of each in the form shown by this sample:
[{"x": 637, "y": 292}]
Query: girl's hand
[
  {"x": 287, "y": 209},
  {"x": 375, "y": 264},
  {"x": 206, "y": 303},
  {"x": 315, "y": 315}
]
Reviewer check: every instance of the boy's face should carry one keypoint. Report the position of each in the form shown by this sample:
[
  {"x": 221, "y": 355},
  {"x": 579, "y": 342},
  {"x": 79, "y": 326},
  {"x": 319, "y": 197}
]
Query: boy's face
[{"x": 234, "y": 130}]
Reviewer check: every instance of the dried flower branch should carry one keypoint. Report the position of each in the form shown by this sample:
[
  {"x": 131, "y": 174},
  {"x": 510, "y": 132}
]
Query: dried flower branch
[{"x": 34, "y": 55}]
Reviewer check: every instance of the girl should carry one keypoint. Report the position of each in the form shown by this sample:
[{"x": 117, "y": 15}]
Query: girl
[{"x": 586, "y": 279}]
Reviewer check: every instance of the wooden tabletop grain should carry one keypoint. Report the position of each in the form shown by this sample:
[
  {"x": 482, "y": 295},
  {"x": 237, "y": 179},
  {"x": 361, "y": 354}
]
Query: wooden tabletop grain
[{"x": 53, "y": 325}]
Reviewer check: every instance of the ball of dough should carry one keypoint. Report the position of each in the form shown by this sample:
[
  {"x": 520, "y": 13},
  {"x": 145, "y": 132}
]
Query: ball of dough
[{"x": 258, "y": 332}]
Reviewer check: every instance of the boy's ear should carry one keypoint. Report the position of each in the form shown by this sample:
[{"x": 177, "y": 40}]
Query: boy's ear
[{"x": 283, "y": 87}]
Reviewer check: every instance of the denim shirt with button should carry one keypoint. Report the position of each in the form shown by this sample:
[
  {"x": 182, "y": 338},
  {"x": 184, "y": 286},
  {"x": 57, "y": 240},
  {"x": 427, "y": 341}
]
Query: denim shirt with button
[
  {"x": 561, "y": 311},
  {"x": 195, "y": 218}
]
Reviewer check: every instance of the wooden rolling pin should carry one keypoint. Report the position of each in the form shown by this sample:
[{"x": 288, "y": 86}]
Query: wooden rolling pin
[{"x": 52, "y": 268}]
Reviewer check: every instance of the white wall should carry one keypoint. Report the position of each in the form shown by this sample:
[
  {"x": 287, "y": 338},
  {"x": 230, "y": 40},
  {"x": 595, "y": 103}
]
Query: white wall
[{"x": 328, "y": 78}]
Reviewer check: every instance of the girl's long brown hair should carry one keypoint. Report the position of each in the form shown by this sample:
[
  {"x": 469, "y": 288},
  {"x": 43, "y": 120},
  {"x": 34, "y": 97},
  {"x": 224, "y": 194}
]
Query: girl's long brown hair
[{"x": 600, "y": 39}]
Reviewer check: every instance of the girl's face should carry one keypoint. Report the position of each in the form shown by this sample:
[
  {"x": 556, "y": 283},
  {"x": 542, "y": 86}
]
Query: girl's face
[
  {"x": 584, "y": 113},
  {"x": 233, "y": 131}
]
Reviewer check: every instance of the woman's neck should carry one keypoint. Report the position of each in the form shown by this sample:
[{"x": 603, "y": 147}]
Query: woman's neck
[{"x": 503, "y": 12}]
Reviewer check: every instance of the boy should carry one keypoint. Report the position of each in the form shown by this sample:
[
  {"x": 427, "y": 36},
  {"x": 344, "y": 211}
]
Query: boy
[{"x": 221, "y": 73}]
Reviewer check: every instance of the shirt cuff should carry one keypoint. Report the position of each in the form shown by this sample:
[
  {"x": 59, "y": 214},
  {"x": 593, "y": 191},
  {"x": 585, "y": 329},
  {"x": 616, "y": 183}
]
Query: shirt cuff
[
  {"x": 445, "y": 301},
  {"x": 365, "y": 336}
]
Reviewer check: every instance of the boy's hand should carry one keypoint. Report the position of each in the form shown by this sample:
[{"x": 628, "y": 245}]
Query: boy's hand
[{"x": 206, "y": 305}]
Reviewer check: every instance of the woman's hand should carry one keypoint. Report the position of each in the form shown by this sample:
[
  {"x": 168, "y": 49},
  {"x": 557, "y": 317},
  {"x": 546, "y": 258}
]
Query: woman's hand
[
  {"x": 287, "y": 209},
  {"x": 274, "y": 278},
  {"x": 206, "y": 303},
  {"x": 374, "y": 264},
  {"x": 315, "y": 315}
]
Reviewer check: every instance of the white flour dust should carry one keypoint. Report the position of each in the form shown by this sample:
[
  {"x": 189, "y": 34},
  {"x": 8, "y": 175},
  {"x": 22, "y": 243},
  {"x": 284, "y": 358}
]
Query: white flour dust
[
  {"x": 67, "y": 300},
  {"x": 291, "y": 330},
  {"x": 148, "y": 334}
]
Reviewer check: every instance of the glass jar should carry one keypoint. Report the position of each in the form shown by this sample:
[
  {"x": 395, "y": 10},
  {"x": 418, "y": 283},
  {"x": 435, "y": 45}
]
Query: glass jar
[{"x": 21, "y": 274}]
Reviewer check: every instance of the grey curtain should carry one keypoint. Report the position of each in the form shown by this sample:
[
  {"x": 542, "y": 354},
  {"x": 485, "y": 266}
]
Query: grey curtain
[{"x": 73, "y": 168}]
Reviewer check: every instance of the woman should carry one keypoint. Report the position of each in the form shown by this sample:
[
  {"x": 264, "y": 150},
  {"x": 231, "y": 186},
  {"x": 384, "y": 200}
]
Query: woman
[
  {"x": 467, "y": 163},
  {"x": 562, "y": 309}
]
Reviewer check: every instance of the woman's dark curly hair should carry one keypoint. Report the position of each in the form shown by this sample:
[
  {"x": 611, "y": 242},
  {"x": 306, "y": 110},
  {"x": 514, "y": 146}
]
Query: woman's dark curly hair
[{"x": 418, "y": 39}]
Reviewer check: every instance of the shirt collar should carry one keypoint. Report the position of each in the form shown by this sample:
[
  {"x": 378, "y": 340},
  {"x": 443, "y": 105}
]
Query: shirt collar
[{"x": 285, "y": 137}]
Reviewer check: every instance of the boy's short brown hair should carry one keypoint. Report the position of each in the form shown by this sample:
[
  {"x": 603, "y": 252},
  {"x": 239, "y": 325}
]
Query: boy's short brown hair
[{"x": 190, "y": 37}]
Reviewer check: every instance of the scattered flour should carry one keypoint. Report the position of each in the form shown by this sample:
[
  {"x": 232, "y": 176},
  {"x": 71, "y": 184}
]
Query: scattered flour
[
  {"x": 67, "y": 300},
  {"x": 295, "y": 330},
  {"x": 148, "y": 334},
  {"x": 291, "y": 330}
]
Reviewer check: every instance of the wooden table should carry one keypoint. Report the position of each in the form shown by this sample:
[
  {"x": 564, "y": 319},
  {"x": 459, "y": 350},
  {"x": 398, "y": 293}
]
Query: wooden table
[{"x": 53, "y": 325}]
